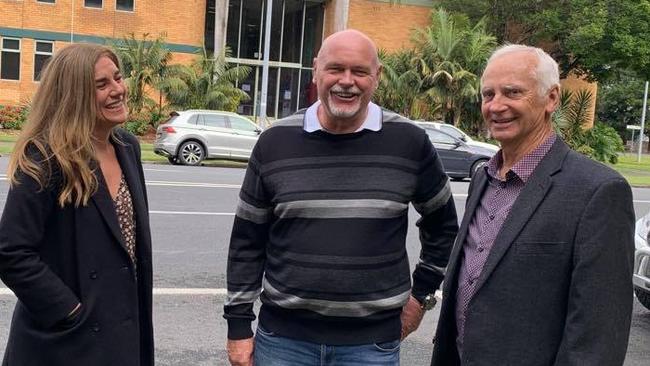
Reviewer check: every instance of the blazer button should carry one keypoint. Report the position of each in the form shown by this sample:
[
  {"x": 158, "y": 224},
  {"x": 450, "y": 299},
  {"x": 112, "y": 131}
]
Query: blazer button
[
  {"x": 95, "y": 327},
  {"x": 93, "y": 275}
]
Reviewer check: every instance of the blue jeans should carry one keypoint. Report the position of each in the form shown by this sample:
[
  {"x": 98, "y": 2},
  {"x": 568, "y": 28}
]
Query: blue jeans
[{"x": 273, "y": 350}]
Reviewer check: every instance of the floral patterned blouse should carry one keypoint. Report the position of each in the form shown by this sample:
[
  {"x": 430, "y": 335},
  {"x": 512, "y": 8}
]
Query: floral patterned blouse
[{"x": 126, "y": 217}]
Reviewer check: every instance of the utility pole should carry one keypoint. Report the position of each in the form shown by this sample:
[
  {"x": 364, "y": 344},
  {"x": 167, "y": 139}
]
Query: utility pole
[
  {"x": 645, "y": 107},
  {"x": 265, "y": 63}
]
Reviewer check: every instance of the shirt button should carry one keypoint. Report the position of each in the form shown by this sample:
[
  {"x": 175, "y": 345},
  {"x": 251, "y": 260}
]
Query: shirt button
[
  {"x": 491, "y": 217},
  {"x": 481, "y": 249},
  {"x": 502, "y": 184},
  {"x": 470, "y": 281},
  {"x": 93, "y": 275}
]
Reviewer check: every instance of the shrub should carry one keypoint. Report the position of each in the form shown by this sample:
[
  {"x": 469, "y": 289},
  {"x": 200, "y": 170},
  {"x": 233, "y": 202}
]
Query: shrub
[
  {"x": 138, "y": 123},
  {"x": 13, "y": 117}
]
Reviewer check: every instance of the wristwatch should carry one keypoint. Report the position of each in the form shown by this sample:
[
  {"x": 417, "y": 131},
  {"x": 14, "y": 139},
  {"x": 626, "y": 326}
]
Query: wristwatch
[{"x": 428, "y": 302}]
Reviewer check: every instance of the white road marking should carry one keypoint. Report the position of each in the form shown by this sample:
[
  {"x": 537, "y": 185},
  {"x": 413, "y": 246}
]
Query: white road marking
[
  {"x": 192, "y": 213},
  {"x": 191, "y": 184}
]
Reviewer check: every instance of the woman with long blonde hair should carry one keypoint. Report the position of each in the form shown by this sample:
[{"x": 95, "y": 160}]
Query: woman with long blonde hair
[{"x": 75, "y": 244}]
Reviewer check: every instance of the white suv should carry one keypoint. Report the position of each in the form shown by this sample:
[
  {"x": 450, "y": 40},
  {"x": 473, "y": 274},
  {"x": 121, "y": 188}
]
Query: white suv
[
  {"x": 188, "y": 137},
  {"x": 642, "y": 261}
]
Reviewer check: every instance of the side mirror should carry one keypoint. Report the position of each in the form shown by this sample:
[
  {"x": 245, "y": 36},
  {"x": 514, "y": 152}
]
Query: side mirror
[{"x": 258, "y": 131}]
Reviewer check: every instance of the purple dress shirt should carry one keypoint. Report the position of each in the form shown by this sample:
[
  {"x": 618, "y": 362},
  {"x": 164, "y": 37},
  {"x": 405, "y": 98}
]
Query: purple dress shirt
[{"x": 490, "y": 214}]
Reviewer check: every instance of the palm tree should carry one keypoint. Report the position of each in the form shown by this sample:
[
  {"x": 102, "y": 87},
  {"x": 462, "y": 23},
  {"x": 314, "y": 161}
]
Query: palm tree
[
  {"x": 450, "y": 55},
  {"x": 400, "y": 84},
  {"x": 208, "y": 83},
  {"x": 145, "y": 65}
]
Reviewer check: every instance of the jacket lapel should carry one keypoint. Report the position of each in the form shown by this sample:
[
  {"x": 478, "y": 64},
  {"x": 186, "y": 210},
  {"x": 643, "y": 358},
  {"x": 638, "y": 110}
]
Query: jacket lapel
[
  {"x": 524, "y": 207},
  {"x": 104, "y": 203},
  {"x": 127, "y": 158}
]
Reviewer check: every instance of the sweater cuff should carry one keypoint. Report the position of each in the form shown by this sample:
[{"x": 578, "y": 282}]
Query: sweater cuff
[{"x": 239, "y": 329}]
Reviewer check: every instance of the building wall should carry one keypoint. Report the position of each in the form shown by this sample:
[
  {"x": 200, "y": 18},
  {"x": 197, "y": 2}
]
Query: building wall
[
  {"x": 389, "y": 25},
  {"x": 181, "y": 21}
]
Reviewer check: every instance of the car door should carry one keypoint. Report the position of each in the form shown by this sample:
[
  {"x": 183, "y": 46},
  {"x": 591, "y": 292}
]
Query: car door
[
  {"x": 217, "y": 134},
  {"x": 454, "y": 153},
  {"x": 245, "y": 134}
]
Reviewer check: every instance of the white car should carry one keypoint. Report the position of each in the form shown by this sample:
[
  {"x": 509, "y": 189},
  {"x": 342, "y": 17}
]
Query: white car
[
  {"x": 188, "y": 137},
  {"x": 459, "y": 134},
  {"x": 642, "y": 261}
]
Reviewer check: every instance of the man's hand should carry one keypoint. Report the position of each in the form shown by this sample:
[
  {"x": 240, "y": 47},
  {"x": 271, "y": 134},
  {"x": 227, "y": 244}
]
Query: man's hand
[
  {"x": 411, "y": 317},
  {"x": 240, "y": 352}
]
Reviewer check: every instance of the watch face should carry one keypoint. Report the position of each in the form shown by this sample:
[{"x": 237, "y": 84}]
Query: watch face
[{"x": 429, "y": 302}]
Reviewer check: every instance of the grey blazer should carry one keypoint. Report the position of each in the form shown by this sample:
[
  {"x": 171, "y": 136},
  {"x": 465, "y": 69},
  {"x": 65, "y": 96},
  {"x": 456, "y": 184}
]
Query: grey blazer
[{"x": 556, "y": 288}]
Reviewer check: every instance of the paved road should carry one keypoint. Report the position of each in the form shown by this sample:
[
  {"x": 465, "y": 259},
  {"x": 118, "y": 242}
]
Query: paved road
[{"x": 191, "y": 217}]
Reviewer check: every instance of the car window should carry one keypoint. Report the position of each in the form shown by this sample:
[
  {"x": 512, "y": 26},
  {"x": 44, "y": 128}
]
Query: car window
[
  {"x": 242, "y": 124},
  {"x": 193, "y": 120},
  {"x": 439, "y": 137},
  {"x": 215, "y": 120},
  {"x": 452, "y": 131}
]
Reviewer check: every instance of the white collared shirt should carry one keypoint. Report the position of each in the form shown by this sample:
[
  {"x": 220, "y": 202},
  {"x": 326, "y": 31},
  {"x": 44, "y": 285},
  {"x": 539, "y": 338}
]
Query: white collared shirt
[{"x": 372, "y": 122}]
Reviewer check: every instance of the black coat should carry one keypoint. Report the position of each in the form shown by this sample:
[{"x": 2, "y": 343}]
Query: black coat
[
  {"x": 53, "y": 258},
  {"x": 556, "y": 288}
]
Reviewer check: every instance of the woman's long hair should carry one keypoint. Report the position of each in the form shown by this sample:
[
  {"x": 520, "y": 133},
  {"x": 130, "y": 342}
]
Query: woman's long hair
[{"x": 60, "y": 125}]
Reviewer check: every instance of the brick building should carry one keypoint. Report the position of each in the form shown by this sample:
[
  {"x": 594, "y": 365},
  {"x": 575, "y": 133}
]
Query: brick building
[{"x": 32, "y": 30}]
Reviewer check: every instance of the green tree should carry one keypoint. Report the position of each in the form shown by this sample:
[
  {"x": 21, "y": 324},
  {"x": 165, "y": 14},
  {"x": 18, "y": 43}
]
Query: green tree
[
  {"x": 208, "y": 83},
  {"x": 594, "y": 38},
  {"x": 620, "y": 102},
  {"x": 400, "y": 84},
  {"x": 145, "y": 63},
  {"x": 449, "y": 56}
]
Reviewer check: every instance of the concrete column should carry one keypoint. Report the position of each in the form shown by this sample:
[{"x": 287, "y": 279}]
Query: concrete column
[
  {"x": 342, "y": 13},
  {"x": 220, "y": 25}
]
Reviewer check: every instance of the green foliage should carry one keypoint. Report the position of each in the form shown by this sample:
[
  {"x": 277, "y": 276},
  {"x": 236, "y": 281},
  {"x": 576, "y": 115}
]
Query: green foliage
[
  {"x": 439, "y": 78},
  {"x": 400, "y": 84},
  {"x": 601, "y": 142},
  {"x": 620, "y": 103},
  {"x": 209, "y": 83},
  {"x": 14, "y": 117},
  {"x": 595, "y": 38},
  {"x": 145, "y": 64}
]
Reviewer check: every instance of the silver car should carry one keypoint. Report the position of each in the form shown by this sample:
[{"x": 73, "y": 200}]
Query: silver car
[
  {"x": 188, "y": 137},
  {"x": 642, "y": 261}
]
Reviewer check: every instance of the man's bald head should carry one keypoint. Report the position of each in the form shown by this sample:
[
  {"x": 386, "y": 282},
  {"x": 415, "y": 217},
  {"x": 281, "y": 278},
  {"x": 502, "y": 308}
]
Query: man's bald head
[
  {"x": 351, "y": 38},
  {"x": 346, "y": 73}
]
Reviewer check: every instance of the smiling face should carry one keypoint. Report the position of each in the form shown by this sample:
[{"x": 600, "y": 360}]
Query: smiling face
[
  {"x": 515, "y": 112},
  {"x": 110, "y": 92},
  {"x": 346, "y": 74}
]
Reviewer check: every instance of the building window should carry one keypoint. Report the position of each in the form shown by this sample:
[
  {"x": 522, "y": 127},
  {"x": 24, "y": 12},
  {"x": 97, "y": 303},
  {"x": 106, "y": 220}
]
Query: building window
[
  {"x": 46, "y": 1},
  {"x": 42, "y": 54},
  {"x": 10, "y": 59},
  {"x": 93, "y": 3},
  {"x": 125, "y": 5}
]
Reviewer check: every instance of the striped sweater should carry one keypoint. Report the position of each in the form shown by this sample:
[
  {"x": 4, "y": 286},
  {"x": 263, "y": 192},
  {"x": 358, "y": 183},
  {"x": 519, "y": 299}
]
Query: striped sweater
[{"x": 319, "y": 233}]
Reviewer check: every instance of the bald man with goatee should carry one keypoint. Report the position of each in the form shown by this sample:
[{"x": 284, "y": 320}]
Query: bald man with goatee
[{"x": 320, "y": 228}]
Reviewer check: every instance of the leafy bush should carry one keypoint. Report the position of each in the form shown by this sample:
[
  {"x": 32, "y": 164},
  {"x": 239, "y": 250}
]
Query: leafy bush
[
  {"x": 13, "y": 117},
  {"x": 138, "y": 123},
  {"x": 605, "y": 143}
]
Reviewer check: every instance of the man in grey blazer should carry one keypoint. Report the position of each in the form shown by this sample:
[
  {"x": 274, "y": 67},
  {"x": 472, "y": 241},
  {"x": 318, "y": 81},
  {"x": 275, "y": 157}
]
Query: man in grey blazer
[{"x": 541, "y": 272}]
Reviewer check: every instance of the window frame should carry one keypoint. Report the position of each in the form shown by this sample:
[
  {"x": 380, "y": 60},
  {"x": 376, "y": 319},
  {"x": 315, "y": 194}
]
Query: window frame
[
  {"x": 47, "y": 2},
  {"x": 94, "y": 7},
  {"x": 40, "y": 53},
  {"x": 19, "y": 52},
  {"x": 125, "y": 10}
]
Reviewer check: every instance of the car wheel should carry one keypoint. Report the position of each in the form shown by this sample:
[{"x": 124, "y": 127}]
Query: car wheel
[
  {"x": 476, "y": 166},
  {"x": 191, "y": 153},
  {"x": 643, "y": 297},
  {"x": 173, "y": 160}
]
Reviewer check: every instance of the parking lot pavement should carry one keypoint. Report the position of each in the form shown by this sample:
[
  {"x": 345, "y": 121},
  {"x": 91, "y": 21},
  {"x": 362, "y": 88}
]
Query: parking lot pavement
[{"x": 192, "y": 209}]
